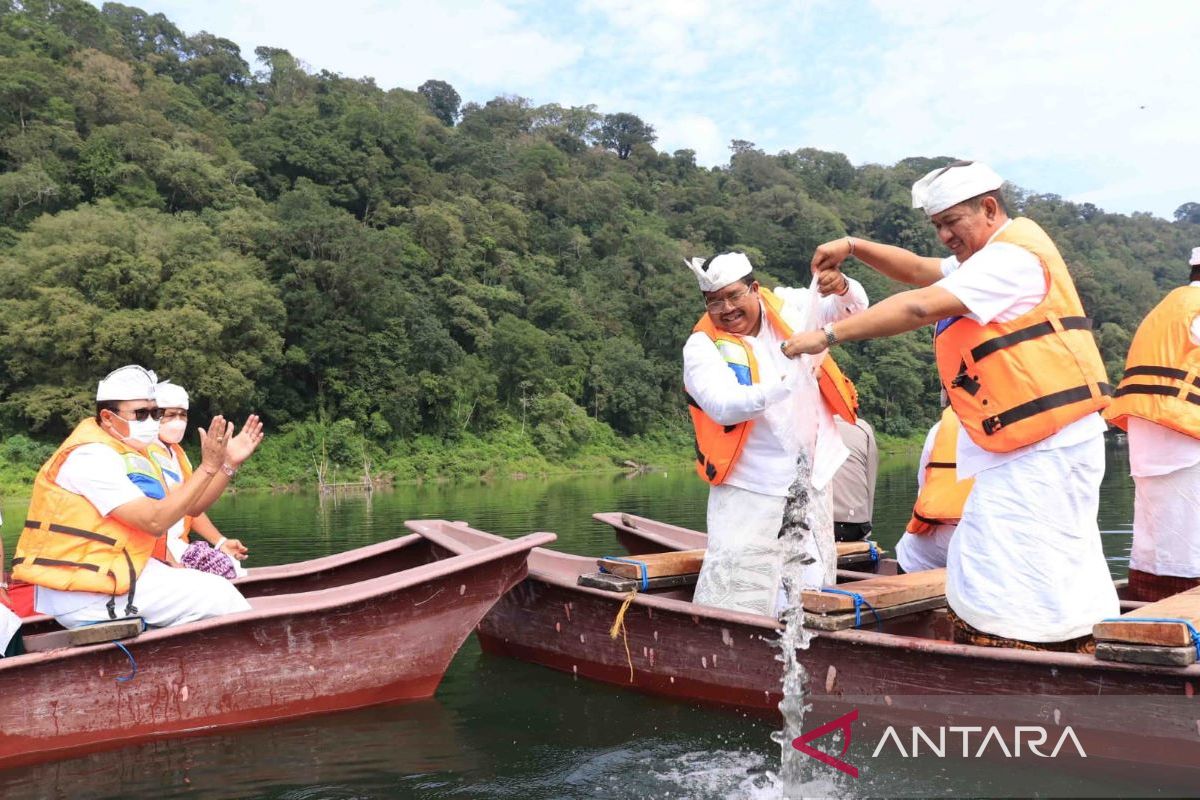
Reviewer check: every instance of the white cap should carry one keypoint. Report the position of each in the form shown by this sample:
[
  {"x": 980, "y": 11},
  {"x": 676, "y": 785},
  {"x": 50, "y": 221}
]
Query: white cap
[
  {"x": 1195, "y": 259},
  {"x": 719, "y": 271},
  {"x": 949, "y": 186},
  {"x": 127, "y": 383},
  {"x": 169, "y": 395}
]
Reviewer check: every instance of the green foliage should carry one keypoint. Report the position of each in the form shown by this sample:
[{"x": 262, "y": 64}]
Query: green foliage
[
  {"x": 389, "y": 287},
  {"x": 443, "y": 100}
]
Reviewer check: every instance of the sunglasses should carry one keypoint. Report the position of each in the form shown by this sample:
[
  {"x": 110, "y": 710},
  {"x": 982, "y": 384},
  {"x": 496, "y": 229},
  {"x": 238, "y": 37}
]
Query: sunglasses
[{"x": 142, "y": 414}]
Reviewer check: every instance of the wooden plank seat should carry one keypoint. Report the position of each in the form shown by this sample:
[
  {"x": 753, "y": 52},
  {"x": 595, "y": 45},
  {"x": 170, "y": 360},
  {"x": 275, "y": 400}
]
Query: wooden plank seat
[
  {"x": 1164, "y": 632},
  {"x": 881, "y": 592},
  {"x": 109, "y": 631},
  {"x": 688, "y": 562},
  {"x": 615, "y": 583},
  {"x": 653, "y": 565}
]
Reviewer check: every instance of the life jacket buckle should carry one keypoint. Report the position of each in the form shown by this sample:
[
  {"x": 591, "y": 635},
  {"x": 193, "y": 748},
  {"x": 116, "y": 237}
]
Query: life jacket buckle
[
  {"x": 964, "y": 381},
  {"x": 992, "y": 424}
]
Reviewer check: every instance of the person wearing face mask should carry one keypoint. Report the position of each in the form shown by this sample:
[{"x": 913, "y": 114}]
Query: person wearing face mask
[
  {"x": 1015, "y": 353},
  {"x": 99, "y": 507},
  {"x": 173, "y": 402}
]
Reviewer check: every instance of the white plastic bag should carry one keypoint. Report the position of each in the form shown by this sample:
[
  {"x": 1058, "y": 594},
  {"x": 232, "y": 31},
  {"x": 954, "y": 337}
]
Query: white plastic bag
[{"x": 798, "y": 420}]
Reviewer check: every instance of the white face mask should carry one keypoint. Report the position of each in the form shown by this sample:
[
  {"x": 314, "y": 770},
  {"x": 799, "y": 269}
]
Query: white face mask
[
  {"x": 145, "y": 431},
  {"x": 172, "y": 431}
]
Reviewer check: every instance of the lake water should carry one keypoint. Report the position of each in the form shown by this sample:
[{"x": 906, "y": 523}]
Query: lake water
[{"x": 498, "y": 728}]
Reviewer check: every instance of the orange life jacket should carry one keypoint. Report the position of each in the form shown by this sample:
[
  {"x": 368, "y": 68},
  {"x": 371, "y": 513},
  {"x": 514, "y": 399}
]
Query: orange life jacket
[
  {"x": 1015, "y": 383},
  {"x": 943, "y": 495},
  {"x": 185, "y": 468},
  {"x": 66, "y": 544},
  {"x": 719, "y": 446},
  {"x": 1162, "y": 371}
]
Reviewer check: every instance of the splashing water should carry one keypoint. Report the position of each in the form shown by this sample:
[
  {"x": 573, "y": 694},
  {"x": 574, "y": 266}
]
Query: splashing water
[{"x": 803, "y": 516}]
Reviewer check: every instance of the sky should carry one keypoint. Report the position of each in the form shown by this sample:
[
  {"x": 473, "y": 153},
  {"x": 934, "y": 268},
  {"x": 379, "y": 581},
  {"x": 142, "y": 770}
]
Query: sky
[{"x": 1098, "y": 102}]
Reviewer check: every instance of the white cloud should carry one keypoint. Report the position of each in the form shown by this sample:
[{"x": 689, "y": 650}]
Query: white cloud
[
  {"x": 399, "y": 42},
  {"x": 694, "y": 132},
  {"x": 1103, "y": 89}
]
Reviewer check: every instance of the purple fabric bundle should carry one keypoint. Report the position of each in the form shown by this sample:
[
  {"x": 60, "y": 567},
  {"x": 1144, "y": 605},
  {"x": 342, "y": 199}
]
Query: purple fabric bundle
[{"x": 202, "y": 556}]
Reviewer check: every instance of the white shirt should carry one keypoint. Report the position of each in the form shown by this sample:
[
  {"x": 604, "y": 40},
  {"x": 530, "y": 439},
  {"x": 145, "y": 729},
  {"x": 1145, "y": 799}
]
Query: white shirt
[
  {"x": 1158, "y": 450},
  {"x": 172, "y": 476},
  {"x": 764, "y": 465},
  {"x": 998, "y": 284},
  {"x": 97, "y": 472},
  {"x": 926, "y": 454}
]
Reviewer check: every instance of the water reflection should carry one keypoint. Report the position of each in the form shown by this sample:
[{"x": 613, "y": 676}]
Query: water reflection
[{"x": 336, "y": 755}]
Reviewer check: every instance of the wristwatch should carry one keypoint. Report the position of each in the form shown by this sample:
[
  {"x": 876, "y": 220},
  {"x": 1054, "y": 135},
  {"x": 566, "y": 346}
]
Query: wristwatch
[{"x": 830, "y": 337}]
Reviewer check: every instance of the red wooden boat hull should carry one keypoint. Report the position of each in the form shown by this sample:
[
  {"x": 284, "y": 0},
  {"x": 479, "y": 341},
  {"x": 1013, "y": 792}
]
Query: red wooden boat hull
[
  {"x": 342, "y": 632},
  {"x": 908, "y": 671}
]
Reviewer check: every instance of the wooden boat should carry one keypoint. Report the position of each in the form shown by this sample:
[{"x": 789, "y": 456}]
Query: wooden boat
[
  {"x": 905, "y": 668},
  {"x": 375, "y": 625}
]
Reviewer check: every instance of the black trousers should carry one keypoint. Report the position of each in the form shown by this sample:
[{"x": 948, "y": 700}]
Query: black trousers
[{"x": 851, "y": 531}]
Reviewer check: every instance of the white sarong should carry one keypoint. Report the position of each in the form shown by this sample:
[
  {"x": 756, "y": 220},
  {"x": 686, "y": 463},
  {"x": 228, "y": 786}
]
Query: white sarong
[
  {"x": 1026, "y": 561},
  {"x": 741, "y": 570},
  {"x": 165, "y": 596},
  {"x": 1166, "y": 523},
  {"x": 926, "y": 551},
  {"x": 10, "y": 623}
]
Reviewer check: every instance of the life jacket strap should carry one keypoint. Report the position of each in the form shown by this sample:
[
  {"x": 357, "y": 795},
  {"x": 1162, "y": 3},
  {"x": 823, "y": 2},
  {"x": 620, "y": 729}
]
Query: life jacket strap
[
  {"x": 1162, "y": 372},
  {"x": 1036, "y": 331},
  {"x": 1166, "y": 391},
  {"x": 926, "y": 520},
  {"x": 130, "y": 608},
  {"x": 56, "y": 562},
  {"x": 1040, "y": 405},
  {"x": 54, "y": 527}
]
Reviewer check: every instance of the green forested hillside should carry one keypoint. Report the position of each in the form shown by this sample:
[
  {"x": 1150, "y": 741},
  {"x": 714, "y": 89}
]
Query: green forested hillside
[{"x": 390, "y": 277}]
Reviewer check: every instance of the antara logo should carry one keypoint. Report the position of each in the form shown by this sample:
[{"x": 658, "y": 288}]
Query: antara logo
[
  {"x": 1033, "y": 736},
  {"x": 842, "y": 724},
  {"x": 985, "y": 740}
]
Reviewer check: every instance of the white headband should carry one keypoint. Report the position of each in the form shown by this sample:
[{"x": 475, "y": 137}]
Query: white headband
[
  {"x": 169, "y": 395},
  {"x": 127, "y": 383},
  {"x": 949, "y": 186},
  {"x": 1195, "y": 260},
  {"x": 720, "y": 271}
]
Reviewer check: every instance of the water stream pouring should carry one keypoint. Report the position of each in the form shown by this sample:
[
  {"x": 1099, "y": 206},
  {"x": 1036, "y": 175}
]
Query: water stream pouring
[{"x": 807, "y": 514}]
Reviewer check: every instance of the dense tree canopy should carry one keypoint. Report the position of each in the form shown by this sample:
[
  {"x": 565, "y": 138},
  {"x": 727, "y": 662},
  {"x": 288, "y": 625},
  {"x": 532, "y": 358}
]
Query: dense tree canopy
[{"x": 318, "y": 248}]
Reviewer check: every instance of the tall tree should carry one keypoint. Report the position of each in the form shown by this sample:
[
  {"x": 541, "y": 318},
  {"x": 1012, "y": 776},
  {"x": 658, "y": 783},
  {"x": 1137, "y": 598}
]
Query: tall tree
[
  {"x": 621, "y": 132},
  {"x": 443, "y": 100}
]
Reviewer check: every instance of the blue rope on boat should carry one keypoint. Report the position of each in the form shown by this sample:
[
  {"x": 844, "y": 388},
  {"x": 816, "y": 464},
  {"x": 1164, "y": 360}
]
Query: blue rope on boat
[
  {"x": 132, "y": 663},
  {"x": 859, "y": 602},
  {"x": 1186, "y": 623},
  {"x": 641, "y": 565},
  {"x": 873, "y": 552}
]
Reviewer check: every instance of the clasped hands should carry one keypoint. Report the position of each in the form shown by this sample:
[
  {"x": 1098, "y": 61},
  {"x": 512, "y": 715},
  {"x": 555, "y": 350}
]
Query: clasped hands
[
  {"x": 219, "y": 447},
  {"x": 826, "y": 265}
]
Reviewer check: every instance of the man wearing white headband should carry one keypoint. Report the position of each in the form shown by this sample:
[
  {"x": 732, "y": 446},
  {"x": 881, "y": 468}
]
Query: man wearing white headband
[
  {"x": 1158, "y": 403},
  {"x": 173, "y": 401},
  {"x": 733, "y": 367},
  {"x": 99, "y": 508},
  {"x": 1016, "y": 356}
]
